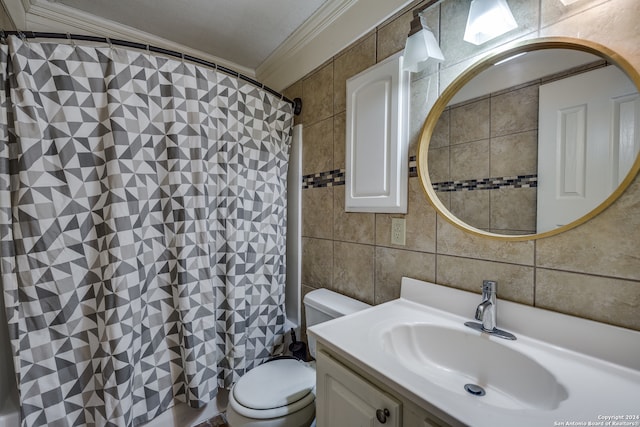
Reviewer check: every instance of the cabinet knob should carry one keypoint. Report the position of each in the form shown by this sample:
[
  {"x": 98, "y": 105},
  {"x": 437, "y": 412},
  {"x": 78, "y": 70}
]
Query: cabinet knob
[{"x": 382, "y": 414}]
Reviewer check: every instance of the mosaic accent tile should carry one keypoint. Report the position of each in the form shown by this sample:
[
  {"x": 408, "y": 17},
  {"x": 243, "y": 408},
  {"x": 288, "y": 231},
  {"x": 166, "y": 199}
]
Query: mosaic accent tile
[
  {"x": 336, "y": 177},
  {"x": 323, "y": 179},
  {"x": 520, "y": 181},
  {"x": 413, "y": 166}
]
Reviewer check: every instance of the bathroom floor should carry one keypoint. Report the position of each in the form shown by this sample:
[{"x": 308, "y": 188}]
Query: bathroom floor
[{"x": 217, "y": 421}]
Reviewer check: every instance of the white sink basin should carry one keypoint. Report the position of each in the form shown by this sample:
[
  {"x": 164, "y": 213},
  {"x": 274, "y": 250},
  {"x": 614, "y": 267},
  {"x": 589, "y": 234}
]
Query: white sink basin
[
  {"x": 452, "y": 358},
  {"x": 559, "y": 369}
]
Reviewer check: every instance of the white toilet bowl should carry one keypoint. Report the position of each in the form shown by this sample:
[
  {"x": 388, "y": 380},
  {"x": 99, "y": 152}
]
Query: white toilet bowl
[{"x": 281, "y": 392}]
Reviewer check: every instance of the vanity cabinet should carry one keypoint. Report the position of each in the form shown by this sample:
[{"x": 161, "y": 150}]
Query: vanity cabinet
[{"x": 345, "y": 398}]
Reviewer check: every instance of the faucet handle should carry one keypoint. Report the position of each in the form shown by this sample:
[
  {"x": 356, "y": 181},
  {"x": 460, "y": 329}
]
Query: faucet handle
[{"x": 489, "y": 286}]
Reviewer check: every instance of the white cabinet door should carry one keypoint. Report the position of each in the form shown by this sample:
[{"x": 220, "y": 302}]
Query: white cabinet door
[
  {"x": 589, "y": 136},
  {"x": 377, "y": 163},
  {"x": 344, "y": 399}
]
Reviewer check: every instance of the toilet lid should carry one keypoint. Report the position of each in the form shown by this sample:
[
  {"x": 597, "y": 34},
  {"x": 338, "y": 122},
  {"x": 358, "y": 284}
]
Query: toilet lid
[{"x": 274, "y": 384}]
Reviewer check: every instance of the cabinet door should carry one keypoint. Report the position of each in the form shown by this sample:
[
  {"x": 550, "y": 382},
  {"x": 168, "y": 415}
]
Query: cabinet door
[
  {"x": 377, "y": 163},
  {"x": 344, "y": 399}
]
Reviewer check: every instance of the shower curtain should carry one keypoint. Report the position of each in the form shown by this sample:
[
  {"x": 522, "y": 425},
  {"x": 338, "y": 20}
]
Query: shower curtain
[{"x": 142, "y": 230}]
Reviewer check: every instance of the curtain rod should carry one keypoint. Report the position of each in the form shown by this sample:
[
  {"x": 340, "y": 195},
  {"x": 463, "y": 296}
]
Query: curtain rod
[{"x": 297, "y": 102}]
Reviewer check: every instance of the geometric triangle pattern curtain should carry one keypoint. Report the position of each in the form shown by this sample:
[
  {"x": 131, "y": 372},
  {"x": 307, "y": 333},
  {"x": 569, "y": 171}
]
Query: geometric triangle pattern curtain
[{"x": 142, "y": 230}]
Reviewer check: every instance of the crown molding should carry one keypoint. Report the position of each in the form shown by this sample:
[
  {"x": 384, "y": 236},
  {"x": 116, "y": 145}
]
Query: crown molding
[
  {"x": 321, "y": 19},
  {"x": 55, "y": 17},
  {"x": 336, "y": 25}
]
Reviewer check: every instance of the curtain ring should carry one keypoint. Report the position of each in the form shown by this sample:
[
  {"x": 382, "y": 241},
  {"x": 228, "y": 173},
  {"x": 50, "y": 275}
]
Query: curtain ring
[
  {"x": 23, "y": 37},
  {"x": 2, "y": 36},
  {"x": 148, "y": 50},
  {"x": 109, "y": 42},
  {"x": 73, "y": 43}
]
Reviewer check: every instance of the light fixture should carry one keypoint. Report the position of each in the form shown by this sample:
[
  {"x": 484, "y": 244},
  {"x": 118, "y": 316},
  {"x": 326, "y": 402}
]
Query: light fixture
[
  {"x": 488, "y": 19},
  {"x": 421, "y": 47}
]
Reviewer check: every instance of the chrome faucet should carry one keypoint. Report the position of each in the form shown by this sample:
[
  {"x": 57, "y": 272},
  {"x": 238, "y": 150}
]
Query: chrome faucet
[
  {"x": 486, "y": 312},
  {"x": 487, "y": 309}
]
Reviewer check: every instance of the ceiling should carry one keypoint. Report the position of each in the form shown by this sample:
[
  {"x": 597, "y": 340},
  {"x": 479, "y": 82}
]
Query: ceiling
[
  {"x": 274, "y": 41},
  {"x": 244, "y": 32}
]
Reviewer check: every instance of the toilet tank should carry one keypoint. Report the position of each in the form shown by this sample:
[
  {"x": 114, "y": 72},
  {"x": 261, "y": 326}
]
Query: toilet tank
[{"x": 322, "y": 304}]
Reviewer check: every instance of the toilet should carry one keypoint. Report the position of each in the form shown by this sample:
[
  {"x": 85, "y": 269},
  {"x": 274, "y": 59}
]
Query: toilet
[{"x": 281, "y": 392}]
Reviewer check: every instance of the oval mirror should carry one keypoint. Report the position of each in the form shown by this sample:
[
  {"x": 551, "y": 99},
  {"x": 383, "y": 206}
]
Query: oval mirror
[{"x": 533, "y": 140}]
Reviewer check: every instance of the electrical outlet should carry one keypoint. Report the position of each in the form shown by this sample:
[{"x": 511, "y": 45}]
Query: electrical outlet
[{"x": 398, "y": 231}]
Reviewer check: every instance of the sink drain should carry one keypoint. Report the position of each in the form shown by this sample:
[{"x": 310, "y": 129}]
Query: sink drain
[{"x": 475, "y": 389}]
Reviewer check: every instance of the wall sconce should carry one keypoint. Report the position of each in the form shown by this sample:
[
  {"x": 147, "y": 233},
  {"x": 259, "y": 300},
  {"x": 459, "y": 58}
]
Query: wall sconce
[
  {"x": 421, "y": 46},
  {"x": 488, "y": 19}
]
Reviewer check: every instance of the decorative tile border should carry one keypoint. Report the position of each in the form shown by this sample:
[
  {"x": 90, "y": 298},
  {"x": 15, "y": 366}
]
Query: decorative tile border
[
  {"x": 336, "y": 177},
  {"x": 520, "y": 181},
  {"x": 323, "y": 179}
]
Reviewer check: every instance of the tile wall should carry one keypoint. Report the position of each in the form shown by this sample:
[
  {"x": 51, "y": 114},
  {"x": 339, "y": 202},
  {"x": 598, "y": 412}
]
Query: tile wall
[
  {"x": 592, "y": 271},
  {"x": 483, "y": 160},
  {"x": 5, "y": 21}
]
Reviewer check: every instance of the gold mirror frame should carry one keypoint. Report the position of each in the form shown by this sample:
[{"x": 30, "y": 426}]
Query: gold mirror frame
[{"x": 485, "y": 63}]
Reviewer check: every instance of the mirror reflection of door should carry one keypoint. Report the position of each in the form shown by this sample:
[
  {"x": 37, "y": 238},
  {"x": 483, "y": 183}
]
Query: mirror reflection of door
[{"x": 589, "y": 136}]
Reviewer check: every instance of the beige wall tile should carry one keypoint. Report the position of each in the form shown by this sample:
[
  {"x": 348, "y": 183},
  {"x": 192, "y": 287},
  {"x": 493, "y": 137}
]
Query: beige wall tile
[
  {"x": 470, "y": 121},
  {"x": 515, "y": 111},
  {"x": 470, "y": 160},
  {"x": 393, "y": 36},
  {"x": 317, "y": 212},
  {"x": 513, "y": 209},
  {"x": 339, "y": 140},
  {"x": 515, "y": 282},
  {"x": 317, "y": 262},
  {"x": 454, "y": 13},
  {"x": 553, "y": 10},
  {"x": 394, "y": 264},
  {"x": 515, "y": 154},
  {"x": 352, "y": 226},
  {"x": 472, "y": 207},
  {"x": 606, "y": 245},
  {"x": 424, "y": 93},
  {"x": 349, "y": 63},
  {"x": 317, "y": 147},
  {"x": 5, "y": 20},
  {"x": 440, "y": 135},
  {"x": 453, "y": 241},
  {"x": 445, "y": 198},
  {"x": 613, "y": 24},
  {"x": 603, "y": 299},
  {"x": 438, "y": 162},
  {"x": 353, "y": 270},
  {"x": 317, "y": 95},
  {"x": 420, "y": 222}
]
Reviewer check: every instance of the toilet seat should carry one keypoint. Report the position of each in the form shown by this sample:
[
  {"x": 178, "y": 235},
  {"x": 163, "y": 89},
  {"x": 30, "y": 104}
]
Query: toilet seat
[{"x": 274, "y": 389}]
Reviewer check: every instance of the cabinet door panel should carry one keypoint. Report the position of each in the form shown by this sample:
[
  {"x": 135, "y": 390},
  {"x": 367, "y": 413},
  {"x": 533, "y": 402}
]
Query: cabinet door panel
[{"x": 344, "y": 399}]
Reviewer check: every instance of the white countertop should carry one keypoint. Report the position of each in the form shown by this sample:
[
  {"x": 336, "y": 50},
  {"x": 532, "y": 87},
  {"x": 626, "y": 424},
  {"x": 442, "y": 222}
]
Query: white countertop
[{"x": 597, "y": 364}]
